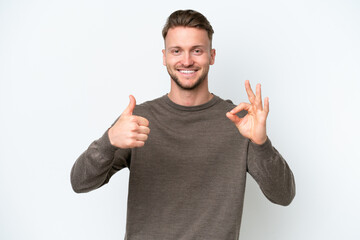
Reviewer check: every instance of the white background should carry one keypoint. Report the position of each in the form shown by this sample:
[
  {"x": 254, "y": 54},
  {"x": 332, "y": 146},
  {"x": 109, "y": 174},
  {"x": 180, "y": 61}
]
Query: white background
[{"x": 67, "y": 68}]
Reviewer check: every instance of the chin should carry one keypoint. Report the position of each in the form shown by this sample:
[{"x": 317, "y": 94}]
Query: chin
[{"x": 188, "y": 85}]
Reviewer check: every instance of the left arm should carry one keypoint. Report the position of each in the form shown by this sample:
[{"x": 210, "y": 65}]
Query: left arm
[
  {"x": 265, "y": 163},
  {"x": 271, "y": 172}
]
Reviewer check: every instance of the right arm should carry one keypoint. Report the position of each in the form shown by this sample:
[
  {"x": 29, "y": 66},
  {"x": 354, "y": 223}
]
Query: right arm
[
  {"x": 111, "y": 152},
  {"x": 97, "y": 164}
]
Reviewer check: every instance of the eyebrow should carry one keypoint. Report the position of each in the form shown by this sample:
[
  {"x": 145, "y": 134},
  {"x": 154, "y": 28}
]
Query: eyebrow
[{"x": 196, "y": 46}]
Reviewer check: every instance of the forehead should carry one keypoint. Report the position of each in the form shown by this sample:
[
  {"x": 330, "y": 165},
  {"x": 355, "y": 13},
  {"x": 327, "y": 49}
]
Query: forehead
[{"x": 186, "y": 37}]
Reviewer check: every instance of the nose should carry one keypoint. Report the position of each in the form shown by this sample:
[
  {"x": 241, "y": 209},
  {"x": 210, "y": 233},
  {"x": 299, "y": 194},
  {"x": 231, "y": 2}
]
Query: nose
[{"x": 187, "y": 60}]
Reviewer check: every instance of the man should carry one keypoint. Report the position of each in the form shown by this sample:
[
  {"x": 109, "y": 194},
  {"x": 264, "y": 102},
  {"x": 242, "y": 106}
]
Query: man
[{"x": 187, "y": 175}]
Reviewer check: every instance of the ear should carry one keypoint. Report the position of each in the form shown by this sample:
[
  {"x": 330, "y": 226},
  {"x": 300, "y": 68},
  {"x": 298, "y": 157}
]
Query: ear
[
  {"x": 212, "y": 56},
  {"x": 164, "y": 57}
]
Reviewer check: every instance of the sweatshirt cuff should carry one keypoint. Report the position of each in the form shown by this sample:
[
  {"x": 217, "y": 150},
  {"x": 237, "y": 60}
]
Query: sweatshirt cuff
[{"x": 105, "y": 145}]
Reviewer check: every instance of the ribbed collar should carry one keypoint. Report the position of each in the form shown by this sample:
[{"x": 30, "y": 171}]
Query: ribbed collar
[{"x": 206, "y": 105}]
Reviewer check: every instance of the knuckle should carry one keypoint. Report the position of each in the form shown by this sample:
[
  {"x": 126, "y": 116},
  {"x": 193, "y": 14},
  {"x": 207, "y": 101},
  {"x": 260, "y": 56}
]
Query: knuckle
[
  {"x": 132, "y": 136},
  {"x": 133, "y": 127},
  {"x": 130, "y": 142},
  {"x": 132, "y": 118}
]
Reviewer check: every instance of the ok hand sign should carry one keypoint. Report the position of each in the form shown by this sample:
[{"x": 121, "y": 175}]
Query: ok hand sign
[{"x": 253, "y": 124}]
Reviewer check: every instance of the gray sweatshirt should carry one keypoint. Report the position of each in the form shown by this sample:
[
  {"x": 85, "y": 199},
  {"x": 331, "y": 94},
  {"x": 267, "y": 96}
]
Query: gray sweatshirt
[{"x": 188, "y": 181}]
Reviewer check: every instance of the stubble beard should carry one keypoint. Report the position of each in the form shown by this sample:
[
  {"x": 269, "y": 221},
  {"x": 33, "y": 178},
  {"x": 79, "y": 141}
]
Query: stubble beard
[{"x": 197, "y": 83}]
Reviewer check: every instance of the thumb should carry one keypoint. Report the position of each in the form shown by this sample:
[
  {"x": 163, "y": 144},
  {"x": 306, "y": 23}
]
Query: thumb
[{"x": 130, "y": 108}]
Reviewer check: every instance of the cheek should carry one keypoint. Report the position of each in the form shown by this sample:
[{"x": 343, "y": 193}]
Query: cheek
[
  {"x": 171, "y": 61},
  {"x": 204, "y": 61}
]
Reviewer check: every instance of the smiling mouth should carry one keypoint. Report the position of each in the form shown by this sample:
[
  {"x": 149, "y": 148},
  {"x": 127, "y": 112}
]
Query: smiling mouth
[{"x": 183, "y": 71}]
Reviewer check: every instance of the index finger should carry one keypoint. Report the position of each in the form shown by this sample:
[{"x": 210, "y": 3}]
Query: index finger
[
  {"x": 240, "y": 107},
  {"x": 142, "y": 121},
  {"x": 249, "y": 91}
]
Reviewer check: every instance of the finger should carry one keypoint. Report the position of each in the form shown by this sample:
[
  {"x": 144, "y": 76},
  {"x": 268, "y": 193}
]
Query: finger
[
  {"x": 130, "y": 108},
  {"x": 142, "y": 137},
  {"x": 258, "y": 99},
  {"x": 266, "y": 105},
  {"x": 249, "y": 91},
  {"x": 143, "y": 130},
  {"x": 240, "y": 107},
  {"x": 138, "y": 144},
  {"x": 141, "y": 121},
  {"x": 233, "y": 117}
]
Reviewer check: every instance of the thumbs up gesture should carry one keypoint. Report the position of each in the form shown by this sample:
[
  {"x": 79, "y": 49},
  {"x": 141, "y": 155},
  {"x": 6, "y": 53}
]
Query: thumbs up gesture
[{"x": 129, "y": 131}]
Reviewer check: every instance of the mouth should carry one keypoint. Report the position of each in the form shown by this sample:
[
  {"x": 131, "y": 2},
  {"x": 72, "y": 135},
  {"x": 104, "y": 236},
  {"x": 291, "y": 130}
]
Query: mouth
[{"x": 187, "y": 72}]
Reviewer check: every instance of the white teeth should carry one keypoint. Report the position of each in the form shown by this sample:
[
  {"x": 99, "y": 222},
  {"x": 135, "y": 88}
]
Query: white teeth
[{"x": 187, "y": 71}]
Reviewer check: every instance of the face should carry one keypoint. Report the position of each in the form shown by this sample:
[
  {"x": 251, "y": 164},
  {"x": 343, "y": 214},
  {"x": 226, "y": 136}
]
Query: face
[{"x": 187, "y": 56}]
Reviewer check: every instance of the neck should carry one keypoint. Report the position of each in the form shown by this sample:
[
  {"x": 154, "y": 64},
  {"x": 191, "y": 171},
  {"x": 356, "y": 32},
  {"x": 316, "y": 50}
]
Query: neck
[{"x": 194, "y": 97}]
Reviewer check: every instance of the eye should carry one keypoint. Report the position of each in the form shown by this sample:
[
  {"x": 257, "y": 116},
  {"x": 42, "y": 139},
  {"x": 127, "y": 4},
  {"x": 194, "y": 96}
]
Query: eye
[
  {"x": 197, "y": 51},
  {"x": 175, "y": 51}
]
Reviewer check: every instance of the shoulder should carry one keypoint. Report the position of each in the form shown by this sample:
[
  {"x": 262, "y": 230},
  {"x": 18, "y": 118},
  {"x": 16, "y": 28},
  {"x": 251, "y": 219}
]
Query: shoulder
[{"x": 228, "y": 105}]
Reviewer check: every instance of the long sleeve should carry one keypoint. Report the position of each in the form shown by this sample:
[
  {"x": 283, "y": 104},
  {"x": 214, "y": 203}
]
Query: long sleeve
[
  {"x": 271, "y": 172},
  {"x": 97, "y": 164}
]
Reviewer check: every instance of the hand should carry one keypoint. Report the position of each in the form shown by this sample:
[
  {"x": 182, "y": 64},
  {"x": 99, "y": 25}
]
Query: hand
[
  {"x": 253, "y": 124},
  {"x": 129, "y": 131}
]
